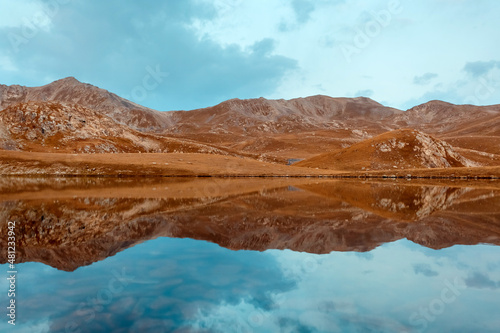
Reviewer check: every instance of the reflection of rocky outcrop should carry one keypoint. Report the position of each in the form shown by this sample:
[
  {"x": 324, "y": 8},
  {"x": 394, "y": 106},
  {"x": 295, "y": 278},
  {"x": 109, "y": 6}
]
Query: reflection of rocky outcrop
[
  {"x": 77, "y": 229},
  {"x": 403, "y": 202}
]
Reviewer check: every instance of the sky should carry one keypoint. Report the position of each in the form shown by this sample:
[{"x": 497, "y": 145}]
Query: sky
[{"x": 181, "y": 55}]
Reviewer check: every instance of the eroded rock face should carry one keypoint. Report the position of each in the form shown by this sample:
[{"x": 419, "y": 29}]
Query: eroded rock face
[{"x": 436, "y": 153}]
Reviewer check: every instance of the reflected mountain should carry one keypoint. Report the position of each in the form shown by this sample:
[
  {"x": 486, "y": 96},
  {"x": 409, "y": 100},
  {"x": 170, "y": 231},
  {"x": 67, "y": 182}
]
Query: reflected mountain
[{"x": 72, "y": 222}]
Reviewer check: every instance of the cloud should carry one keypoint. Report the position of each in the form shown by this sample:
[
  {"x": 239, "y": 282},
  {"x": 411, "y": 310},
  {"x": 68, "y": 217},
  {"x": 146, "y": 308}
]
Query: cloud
[
  {"x": 303, "y": 10},
  {"x": 425, "y": 270},
  {"x": 293, "y": 325},
  {"x": 481, "y": 281},
  {"x": 364, "y": 93},
  {"x": 207, "y": 48},
  {"x": 477, "y": 84},
  {"x": 479, "y": 68},
  {"x": 424, "y": 79},
  {"x": 6, "y": 64},
  {"x": 264, "y": 47},
  {"x": 115, "y": 51},
  {"x": 18, "y": 13}
]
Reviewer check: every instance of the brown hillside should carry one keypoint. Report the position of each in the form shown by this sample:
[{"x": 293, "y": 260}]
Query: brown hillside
[
  {"x": 72, "y": 91},
  {"x": 400, "y": 149},
  {"x": 438, "y": 117},
  {"x": 280, "y": 116},
  {"x": 55, "y": 127}
]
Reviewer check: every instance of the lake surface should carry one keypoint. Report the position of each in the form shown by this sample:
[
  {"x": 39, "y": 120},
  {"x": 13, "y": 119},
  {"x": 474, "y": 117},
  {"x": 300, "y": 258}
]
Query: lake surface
[{"x": 252, "y": 255}]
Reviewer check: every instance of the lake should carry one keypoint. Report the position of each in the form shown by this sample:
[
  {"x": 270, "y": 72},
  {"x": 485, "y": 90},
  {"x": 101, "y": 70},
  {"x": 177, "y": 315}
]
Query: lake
[{"x": 251, "y": 255}]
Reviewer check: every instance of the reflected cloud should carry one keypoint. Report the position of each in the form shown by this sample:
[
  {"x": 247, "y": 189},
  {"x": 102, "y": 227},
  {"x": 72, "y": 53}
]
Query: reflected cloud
[
  {"x": 171, "y": 284},
  {"x": 425, "y": 270},
  {"x": 337, "y": 298},
  {"x": 481, "y": 281}
]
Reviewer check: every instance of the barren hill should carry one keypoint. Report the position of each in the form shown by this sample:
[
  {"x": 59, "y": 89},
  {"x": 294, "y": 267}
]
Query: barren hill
[
  {"x": 440, "y": 117},
  {"x": 56, "y": 127},
  {"x": 400, "y": 149},
  {"x": 279, "y": 116},
  {"x": 71, "y": 91}
]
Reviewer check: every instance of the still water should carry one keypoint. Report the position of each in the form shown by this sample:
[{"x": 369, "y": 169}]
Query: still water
[{"x": 252, "y": 255}]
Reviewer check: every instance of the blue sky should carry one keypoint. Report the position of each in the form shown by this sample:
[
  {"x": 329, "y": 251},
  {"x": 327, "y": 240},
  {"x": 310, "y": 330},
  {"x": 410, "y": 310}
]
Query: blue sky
[{"x": 187, "y": 54}]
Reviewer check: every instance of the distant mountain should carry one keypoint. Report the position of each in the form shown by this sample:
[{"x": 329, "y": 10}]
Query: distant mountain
[
  {"x": 279, "y": 116},
  {"x": 72, "y": 91},
  {"x": 294, "y": 128},
  {"x": 400, "y": 149},
  {"x": 465, "y": 126},
  {"x": 445, "y": 118}
]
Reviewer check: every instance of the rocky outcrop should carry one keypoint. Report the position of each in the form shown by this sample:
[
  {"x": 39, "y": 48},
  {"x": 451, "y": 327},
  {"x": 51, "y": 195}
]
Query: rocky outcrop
[{"x": 400, "y": 149}]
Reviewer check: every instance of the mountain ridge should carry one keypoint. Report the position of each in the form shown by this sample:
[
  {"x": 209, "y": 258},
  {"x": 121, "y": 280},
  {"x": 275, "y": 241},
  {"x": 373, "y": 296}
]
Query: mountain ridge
[{"x": 270, "y": 129}]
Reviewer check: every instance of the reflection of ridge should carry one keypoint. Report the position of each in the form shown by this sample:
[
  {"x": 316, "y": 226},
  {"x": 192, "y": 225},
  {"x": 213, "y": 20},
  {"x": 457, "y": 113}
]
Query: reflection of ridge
[{"x": 324, "y": 216}]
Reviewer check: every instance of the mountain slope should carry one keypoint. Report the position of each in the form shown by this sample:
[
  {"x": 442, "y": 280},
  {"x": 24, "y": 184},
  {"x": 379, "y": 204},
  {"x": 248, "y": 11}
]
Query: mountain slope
[
  {"x": 71, "y": 91},
  {"x": 400, "y": 149},
  {"x": 56, "y": 127},
  {"x": 279, "y": 116}
]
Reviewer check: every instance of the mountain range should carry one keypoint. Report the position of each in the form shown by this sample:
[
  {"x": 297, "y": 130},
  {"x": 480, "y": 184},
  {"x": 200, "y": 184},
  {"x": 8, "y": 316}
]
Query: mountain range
[{"x": 67, "y": 116}]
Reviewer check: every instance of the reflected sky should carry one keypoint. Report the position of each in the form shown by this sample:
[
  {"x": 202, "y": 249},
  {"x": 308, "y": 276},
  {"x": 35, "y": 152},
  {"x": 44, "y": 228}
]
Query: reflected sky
[{"x": 186, "y": 285}]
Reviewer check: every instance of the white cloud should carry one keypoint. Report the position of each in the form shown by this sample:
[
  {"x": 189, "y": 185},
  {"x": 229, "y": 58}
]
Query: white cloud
[
  {"x": 19, "y": 14},
  {"x": 6, "y": 64},
  {"x": 426, "y": 36},
  {"x": 466, "y": 88},
  {"x": 421, "y": 37}
]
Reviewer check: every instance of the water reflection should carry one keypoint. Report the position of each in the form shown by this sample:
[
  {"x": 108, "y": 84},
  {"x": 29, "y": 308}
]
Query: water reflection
[
  {"x": 68, "y": 223},
  {"x": 131, "y": 255},
  {"x": 184, "y": 285}
]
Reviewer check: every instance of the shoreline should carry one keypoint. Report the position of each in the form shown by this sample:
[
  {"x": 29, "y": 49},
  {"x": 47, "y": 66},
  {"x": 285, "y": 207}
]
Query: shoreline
[{"x": 185, "y": 165}]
